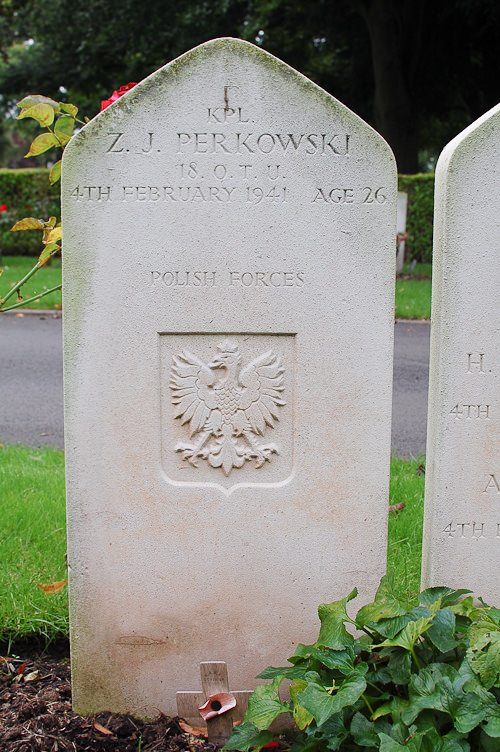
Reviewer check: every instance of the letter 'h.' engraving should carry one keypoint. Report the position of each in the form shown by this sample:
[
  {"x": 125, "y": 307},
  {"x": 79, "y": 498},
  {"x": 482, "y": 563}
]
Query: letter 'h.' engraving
[{"x": 475, "y": 362}]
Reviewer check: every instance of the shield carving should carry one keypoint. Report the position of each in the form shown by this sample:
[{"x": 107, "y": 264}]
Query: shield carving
[{"x": 227, "y": 408}]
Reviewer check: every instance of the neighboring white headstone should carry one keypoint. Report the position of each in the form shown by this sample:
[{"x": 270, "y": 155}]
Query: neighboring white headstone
[
  {"x": 228, "y": 299},
  {"x": 462, "y": 512},
  {"x": 401, "y": 231}
]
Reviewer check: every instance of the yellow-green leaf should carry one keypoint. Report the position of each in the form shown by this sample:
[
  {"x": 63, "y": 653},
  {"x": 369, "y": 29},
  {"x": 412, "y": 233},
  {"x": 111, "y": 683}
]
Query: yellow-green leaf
[
  {"x": 55, "y": 173},
  {"x": 54, "y": 235},
  {"x": 383, "y": 709},
  {"x": 301, "y": 716},
  {"x": 51, "y": 222},
  {"x": 264, "y": 705},
  {"x": 333, "y": 633},
  {"x": 69, "y": 108},
  {"x": 48, "y": 252},
  {"x": 42, "y": 113},
  {"x": 33, "y": 99},
  {"x": 408, "y": 636},
  {"x": 42, "y": 143},
  {"x": 64, "y": 128},
  {"x": 28, "y": 223}
]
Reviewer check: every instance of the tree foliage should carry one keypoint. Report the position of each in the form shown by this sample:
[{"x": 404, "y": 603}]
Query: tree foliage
[
  {"x": 419, "y": 72},
  {"x": 90, "y": 47}
]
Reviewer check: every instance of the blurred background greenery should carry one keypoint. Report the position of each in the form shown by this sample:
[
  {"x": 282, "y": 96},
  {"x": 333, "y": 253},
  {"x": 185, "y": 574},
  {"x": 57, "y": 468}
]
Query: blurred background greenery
[{"x": 418, "y": 72}]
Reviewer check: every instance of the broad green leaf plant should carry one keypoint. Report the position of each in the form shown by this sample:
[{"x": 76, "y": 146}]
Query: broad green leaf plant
[
  {"x": 396, "y": 677},
  {"x": 59, "y": 120}
]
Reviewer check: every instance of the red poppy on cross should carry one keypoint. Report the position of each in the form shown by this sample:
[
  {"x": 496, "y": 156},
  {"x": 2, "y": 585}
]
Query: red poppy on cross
[{"x": 215, "y": 703}]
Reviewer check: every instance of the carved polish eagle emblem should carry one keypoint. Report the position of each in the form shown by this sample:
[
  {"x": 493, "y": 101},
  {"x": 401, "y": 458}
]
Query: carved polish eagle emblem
[{"x": 227, "y": 406}]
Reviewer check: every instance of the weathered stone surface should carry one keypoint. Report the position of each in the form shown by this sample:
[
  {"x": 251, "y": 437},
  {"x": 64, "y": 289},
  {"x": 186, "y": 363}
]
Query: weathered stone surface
[
  {"x": 461, "y": 529},
  {"x": 229, "y": 238}
]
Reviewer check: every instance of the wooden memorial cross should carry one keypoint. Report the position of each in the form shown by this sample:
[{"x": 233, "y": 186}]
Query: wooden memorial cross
[{"x": 214, "y": 681}]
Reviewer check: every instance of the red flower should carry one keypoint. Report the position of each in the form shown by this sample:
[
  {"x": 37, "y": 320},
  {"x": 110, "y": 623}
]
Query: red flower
[
  {"x": 116, "y": 95},
  {"x": 3, "y": 208}
]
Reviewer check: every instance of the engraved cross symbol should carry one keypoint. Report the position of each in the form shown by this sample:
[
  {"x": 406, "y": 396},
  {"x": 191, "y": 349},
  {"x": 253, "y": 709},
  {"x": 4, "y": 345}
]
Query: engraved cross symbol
[{"x": 213, "y": 681}]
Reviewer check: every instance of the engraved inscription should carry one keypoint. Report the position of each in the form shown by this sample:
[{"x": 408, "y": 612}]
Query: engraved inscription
[
  {"x": 335, "y": 144},
  {"x": 121, "y": 144},
  {"x": 257, "y": 194},
  {"x": 192, "y": 194},
  {"x": 91, "y": 193},
  {"x": 226, "y": 114},
  {"x": 366, "y": 195},
  {"x": 189, "y": 278},
  {"x": 196, "y": 194},
  {"x": 474, "y": 530},
  {"x": 230, "y": 152},
  {"x": 114, "y": 145},
  {"x": 491, "y": 485},
  {"x": 475, "y": 363},
  {"x": 183, "y": 279},
  {"x": 266, "y": 279},
  {"x": 227, "y": 406},
  {"x": 470, "y": 411}
]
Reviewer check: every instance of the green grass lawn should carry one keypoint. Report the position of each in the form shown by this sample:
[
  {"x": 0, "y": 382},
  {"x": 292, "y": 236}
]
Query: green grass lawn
[
  {"x": 413, "y": 299},
  {"x": 404, "y": 548},
  {"x": 32, "y": 542},
  {"x": 14, "y": 268},
  {"x": 33, "y": 539},
  {"x": 413, "y": 294}
]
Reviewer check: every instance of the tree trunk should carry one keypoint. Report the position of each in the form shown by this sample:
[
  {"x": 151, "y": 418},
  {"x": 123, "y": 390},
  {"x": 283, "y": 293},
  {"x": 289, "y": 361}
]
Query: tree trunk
[{"x": 395, "y": 32}]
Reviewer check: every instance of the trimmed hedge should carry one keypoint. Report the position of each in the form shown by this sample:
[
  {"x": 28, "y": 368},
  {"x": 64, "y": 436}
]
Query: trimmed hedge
[
  {"x": 27, "y": 193},
  {"x": 420, "y": 215}
]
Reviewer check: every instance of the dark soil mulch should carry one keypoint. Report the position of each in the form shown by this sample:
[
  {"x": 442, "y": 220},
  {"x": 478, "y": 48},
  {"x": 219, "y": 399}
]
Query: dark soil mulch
[{"x": 35, "y": 714}]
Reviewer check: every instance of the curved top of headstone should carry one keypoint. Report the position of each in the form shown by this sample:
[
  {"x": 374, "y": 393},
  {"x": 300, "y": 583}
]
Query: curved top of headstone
[
  {"x": 464, "y": 167},
  {"x": 209, "y": 60},
  {"x": 480, "y": 131}
]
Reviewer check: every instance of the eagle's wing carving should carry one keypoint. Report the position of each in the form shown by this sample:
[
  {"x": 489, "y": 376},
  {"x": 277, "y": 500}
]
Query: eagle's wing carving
[
  {"x": 263, "y": 384},
  {"x": 191, "y": 382}
]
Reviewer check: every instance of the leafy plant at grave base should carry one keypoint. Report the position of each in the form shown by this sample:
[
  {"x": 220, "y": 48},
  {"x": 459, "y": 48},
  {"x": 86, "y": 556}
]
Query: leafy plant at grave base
[{"x": 423, "y": 678}]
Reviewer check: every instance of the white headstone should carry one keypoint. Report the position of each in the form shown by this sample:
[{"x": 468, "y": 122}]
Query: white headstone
[
  {"x": 228, "y": 298},
  {"x": 462, "y": 513},
  {"x": 401, "y": 231}
]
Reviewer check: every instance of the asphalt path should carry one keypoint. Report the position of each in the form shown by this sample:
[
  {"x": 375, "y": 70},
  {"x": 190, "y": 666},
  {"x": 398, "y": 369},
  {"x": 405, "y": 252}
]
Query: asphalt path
[
  {"x": 410, "y": 387},
  {"x": 31, "y": 382}
]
